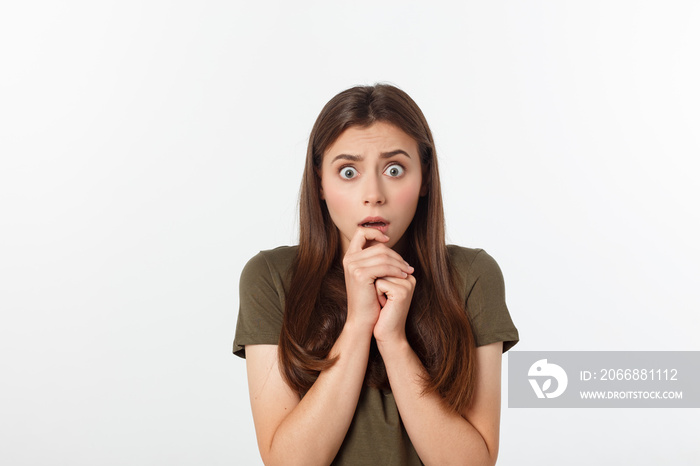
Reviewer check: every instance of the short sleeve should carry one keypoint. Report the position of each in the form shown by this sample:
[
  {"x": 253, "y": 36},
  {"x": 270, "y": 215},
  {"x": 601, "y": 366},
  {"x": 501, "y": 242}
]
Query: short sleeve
[
  {"x": 486, "y": 302},
  {"x": 261, "y": 305}
]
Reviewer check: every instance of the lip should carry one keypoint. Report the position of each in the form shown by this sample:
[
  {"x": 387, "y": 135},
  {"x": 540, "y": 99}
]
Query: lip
[{"x": 382, "y": 228}]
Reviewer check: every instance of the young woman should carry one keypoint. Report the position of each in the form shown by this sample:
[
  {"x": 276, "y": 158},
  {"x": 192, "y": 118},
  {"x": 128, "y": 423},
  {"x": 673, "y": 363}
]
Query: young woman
[{"x": 372, "y": 342}]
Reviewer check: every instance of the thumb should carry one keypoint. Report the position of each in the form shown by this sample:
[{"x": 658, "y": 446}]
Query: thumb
[{"x": 380, "y": 295}]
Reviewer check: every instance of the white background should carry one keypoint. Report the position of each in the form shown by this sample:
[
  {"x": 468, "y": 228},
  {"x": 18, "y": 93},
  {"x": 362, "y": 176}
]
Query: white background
[{"x": 149, "y": 149}]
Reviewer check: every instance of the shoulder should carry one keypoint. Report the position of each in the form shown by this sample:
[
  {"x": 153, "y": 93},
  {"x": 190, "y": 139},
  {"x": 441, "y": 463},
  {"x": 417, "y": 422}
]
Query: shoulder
[
  {"x": 262, "y": 292},
  {"x": 461, "y": 255},
  {"x": 277, "y": 261},
  {"x": 477, "y": 275},
  {"x": 472, "y": 262},
  {"x": 481, "y": 287}
]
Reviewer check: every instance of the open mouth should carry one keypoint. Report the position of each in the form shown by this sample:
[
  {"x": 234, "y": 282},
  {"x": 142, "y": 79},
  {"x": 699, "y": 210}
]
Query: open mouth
[{"x": 378, "y": 223}]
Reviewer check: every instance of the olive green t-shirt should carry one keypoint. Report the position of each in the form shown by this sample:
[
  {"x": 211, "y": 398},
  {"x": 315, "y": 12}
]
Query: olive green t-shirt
[{"x": 376, "y": 434}]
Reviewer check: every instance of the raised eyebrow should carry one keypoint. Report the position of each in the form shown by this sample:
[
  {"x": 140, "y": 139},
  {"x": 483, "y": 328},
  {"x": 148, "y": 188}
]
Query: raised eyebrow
[
  {"x": 359, "y": 158},
  {"x": 386, "y": 155},
  {"x": 354, "y": 158}
]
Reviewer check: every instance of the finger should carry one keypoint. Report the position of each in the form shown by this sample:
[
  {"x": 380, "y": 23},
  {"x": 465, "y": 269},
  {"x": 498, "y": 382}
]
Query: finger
[
  {"x": 381, "y": 297},
  {"x": 408, "y": 281},
  {"x": 375, "y": 254},
  {"x": 394, "y": 288},
  {"x": 362, "y": 236},
  {"x": 392, "y": 285},
  {"x": 358, "y": 261},
  {"x": 371, "y": 274}
]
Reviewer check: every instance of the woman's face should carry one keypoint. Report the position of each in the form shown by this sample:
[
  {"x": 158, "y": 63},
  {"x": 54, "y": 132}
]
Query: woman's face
[{"x": 371, "y": 177}]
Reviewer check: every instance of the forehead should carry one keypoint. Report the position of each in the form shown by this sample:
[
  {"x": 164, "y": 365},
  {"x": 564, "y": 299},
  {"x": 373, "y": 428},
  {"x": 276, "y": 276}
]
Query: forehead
[{"x": 371, "y": 140}]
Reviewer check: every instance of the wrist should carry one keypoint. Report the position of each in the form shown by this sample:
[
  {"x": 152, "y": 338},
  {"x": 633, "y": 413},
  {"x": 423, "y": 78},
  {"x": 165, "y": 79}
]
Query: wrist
[
  {"x": 393, "y": 346},
  {"x": 358, "y": 327},
  {"x": 352, "y": 338}
]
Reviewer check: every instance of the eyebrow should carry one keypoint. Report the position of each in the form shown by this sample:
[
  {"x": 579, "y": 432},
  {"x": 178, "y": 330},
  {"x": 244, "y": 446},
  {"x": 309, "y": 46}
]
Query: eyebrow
[{"x": 359, "y": 158}]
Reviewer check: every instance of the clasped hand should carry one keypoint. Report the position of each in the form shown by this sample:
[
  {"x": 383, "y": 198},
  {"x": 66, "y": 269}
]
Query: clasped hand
[{"x": 379, "y": 286}]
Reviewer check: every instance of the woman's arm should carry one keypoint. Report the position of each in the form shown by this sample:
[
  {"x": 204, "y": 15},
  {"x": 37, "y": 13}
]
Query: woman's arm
[
  {"x": 440, "y": 435},
  {"x": 309, "y": 431}
]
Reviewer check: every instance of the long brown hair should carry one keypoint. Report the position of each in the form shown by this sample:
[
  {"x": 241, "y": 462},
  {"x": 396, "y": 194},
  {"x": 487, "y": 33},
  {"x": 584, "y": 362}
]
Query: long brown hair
[{"x": 437, "y": 325}]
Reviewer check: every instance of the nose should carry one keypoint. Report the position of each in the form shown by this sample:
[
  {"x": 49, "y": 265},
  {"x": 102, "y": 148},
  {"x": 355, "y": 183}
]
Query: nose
[{"x": 373, "y": 193}]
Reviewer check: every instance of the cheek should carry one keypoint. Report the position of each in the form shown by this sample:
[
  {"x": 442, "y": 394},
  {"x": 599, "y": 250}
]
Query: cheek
[
  {"x": 335, "y": 199},
  {"x": 408, "y": 195}
]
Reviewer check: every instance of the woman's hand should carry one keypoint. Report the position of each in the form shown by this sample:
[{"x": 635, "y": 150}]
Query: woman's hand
[
  {"x": 363, "y": 267},
  {"x": 395, "y": 298}
]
